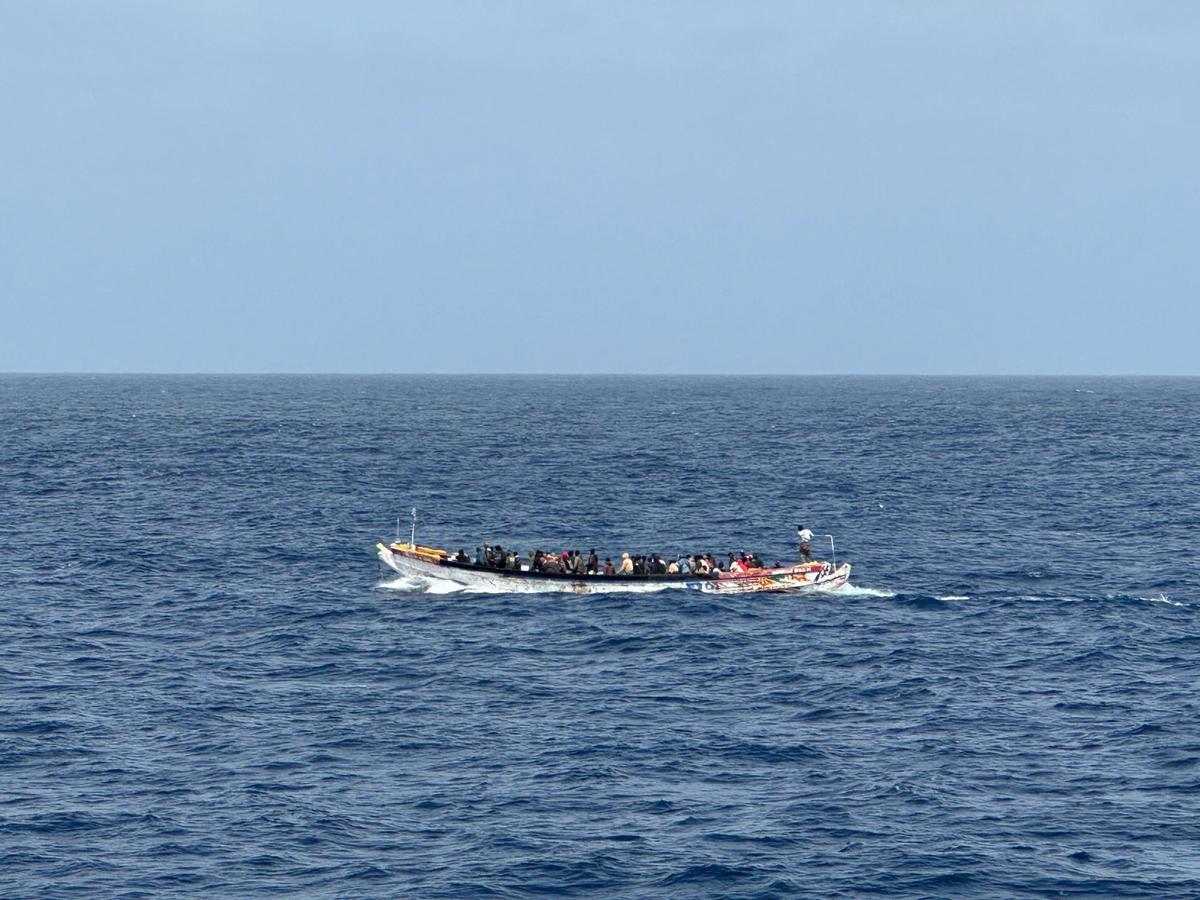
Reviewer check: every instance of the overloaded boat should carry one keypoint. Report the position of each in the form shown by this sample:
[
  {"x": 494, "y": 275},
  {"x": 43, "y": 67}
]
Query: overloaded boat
[{"x": 413, "y": 559}]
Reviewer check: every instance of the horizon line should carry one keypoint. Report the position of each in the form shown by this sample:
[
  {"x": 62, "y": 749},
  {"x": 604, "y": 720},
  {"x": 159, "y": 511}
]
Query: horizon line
[{"x": 296, "y": 374}]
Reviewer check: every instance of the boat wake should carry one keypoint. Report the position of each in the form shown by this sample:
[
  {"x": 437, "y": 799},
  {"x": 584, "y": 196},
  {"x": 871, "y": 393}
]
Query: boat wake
[
  {"x": 852, "y": 590},
  {"x": 421, "y": 584},
  {"x": 414, "y": 584}
]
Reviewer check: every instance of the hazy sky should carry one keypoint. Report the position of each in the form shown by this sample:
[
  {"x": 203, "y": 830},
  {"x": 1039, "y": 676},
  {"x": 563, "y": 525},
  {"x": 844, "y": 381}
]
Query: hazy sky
[{"x": 600, "y": 186}]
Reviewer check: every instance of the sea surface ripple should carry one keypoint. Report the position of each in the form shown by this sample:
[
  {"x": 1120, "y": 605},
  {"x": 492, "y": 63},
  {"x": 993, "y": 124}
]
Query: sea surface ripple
[{"x": 211, "y": 687}]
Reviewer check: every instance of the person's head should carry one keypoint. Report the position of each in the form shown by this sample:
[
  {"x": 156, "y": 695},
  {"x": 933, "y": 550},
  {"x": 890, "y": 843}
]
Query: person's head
[{"x": 624, "y": 556}]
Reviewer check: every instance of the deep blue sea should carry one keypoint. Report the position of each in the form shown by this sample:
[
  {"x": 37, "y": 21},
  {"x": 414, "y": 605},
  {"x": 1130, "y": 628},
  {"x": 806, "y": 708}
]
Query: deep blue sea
[{"x": 210, "y": 685}]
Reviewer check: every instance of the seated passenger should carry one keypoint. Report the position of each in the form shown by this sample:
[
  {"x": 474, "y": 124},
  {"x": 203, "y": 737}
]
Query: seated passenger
[
  {"x": 593, "y": 563},
  {"x": 461, "y": 557},
  {"x": 673, "y": 568},
  {"x": 685, "y": 567},
  {"x": 608, "y": 567},
  {"x": 626, "y": 565}
]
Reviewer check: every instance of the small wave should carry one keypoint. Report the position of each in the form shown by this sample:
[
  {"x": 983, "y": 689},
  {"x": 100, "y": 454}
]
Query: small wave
[
  {"x": 954, "y": 597},
  {"x": 1102, "y": 598},
  {"x": 1163, "y": 598},
  {"x": 1036, "y": 598}
]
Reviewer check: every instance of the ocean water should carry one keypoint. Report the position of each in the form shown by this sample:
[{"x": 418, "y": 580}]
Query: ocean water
[{"x": 210, "y": 686}]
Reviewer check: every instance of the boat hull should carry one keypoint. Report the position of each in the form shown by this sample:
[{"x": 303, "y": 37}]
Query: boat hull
[{"x": 430, "y": 563}]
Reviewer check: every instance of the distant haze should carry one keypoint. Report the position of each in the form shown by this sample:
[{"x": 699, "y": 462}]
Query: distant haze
[{"x": 674, "y": 187}]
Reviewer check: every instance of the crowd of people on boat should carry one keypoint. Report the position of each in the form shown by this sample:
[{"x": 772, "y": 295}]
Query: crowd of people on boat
[{"x": 573, "y": 562}]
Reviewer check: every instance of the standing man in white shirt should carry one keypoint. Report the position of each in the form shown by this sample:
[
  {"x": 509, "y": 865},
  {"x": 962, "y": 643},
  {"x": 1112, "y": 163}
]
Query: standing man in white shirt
[{"x": 805, "y": 537}]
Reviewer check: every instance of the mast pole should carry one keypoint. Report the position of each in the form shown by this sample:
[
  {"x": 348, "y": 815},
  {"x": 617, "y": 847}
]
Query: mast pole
[{"x": 412, "y": 541}]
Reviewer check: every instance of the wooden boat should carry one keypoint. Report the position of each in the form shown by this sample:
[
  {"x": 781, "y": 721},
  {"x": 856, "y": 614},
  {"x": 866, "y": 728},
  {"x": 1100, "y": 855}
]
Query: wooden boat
[{"x": 412, "y": 559}]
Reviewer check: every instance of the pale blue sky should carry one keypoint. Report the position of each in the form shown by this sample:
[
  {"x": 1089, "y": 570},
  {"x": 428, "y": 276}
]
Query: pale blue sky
[{"x": 617, "y": 186}]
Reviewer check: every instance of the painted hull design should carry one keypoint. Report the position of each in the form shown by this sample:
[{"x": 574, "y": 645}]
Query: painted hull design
[{"x": 430, "y": 562}]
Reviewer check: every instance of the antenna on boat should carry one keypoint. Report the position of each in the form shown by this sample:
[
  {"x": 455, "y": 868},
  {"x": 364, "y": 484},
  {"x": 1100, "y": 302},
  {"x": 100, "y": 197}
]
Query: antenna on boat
[
  {"x": 832, "y": 552},
  {"x": 397, "y": 529},
  {"x": 412, "y": 541}
]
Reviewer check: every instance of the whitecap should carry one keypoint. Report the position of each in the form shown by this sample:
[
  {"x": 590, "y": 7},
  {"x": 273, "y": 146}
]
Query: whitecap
[{"x": 1163, "y": 598}]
